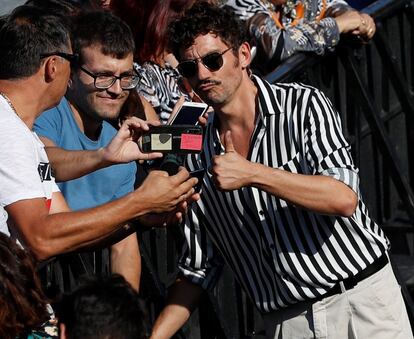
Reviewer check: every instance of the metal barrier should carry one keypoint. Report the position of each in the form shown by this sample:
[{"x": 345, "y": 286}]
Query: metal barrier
[{"x": 372, "y": 87}]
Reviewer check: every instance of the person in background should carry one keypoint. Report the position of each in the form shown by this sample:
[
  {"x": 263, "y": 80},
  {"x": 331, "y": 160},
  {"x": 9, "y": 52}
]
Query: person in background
[
  {"x": 100, "y": 84},
  {"x": 102, "y": 308},
  {"x": 24, "y": 310},
  {"x": 279, "y": 29},
  {"x": 35, "y": 66},
  {"x": 274, "y": 155},
  {"x": 161, "y": 84}
]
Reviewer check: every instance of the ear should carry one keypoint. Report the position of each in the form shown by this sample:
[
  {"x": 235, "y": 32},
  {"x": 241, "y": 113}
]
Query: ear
[
  {"x": 245, "y": 55},
  {"x": 51, "y": 68}
]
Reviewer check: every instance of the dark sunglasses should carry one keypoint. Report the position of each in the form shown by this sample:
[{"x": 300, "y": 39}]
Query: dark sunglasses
[
  {"x": 213, "y": 61},
  {"x": 72, "y": 58}
]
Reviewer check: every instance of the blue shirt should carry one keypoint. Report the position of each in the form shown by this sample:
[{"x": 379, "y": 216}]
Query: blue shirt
[{"x": 59, "y": 125}]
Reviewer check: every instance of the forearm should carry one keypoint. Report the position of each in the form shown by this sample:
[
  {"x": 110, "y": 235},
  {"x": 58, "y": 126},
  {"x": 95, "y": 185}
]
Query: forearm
[
  {"x": 68, "y": 165},
  {"x": 51, "y": 234},
  {"x": 318, "y": 193},
  {"x": 183, "y": 298},
  {"x": 126, "y": 260},
  {"x": 278, "y": 44}
]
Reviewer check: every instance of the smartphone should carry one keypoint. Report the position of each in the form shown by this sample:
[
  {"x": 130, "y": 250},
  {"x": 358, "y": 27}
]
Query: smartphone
[{"x": 189, "y": 113}]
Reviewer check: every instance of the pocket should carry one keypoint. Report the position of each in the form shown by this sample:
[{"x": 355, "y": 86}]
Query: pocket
[{"x": 381, "y": 299}]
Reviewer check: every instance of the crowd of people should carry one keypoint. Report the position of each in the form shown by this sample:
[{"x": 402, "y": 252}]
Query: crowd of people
[{"x": 81, "y": 81}]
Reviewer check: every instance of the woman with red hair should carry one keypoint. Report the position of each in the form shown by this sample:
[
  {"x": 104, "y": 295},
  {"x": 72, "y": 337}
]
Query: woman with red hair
[{"x": 161, "y": 83}]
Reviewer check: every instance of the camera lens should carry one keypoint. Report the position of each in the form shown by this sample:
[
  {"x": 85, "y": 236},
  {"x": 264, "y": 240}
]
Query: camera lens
[{"x": 171, "y": 163}]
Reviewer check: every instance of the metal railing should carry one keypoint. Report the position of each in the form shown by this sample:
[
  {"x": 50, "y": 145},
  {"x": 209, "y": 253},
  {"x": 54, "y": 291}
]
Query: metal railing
[{"x": 372, "y": 87}]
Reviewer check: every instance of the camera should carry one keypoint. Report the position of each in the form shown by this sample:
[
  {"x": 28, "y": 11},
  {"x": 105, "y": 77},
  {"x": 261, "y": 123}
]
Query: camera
[{"x": 177, "y": 139}]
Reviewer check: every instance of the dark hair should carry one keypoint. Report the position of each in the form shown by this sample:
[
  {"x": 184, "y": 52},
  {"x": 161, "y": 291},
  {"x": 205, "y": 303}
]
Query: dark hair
[
  {"x": 63, "y": 8},
  {"x": 27, "y": 33},
  {"x": 103, "y": 308},
  {"x": 104, "y": 29},
  {"x": 149, "y": 21},
  {"x": 22, "y": 303},
  {"x": 204, "y": 18}
]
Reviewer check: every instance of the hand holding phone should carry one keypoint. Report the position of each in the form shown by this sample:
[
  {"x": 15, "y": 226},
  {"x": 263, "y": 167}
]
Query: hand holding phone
[{"x": 188, "y": 113}]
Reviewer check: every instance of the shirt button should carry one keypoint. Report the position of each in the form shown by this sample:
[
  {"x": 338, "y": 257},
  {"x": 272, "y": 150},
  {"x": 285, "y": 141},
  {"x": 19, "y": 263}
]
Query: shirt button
[{"x": 261, "y": 212}]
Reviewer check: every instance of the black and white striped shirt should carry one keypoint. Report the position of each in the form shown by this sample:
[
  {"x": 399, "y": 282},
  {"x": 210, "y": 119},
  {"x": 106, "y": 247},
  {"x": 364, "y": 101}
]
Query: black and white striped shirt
[{"x": 281, "y": 254}]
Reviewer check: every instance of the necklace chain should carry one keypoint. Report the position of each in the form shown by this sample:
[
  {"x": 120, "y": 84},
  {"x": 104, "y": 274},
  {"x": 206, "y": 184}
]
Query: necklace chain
[{"x": 9, "y": 102}]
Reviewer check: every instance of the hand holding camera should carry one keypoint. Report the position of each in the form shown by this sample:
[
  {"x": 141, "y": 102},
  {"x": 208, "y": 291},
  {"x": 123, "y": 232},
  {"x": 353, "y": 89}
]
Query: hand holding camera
[
  {"x": 124, "y": 148},
  {"x": 163, "y": 193},
  {"x": 181, "y": 136}
]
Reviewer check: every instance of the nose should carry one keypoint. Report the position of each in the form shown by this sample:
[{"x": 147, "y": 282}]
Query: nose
[{"x": 116, "y": 87}]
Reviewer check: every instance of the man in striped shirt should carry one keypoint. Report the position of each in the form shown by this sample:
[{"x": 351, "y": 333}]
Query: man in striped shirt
[{"x": 280, "y": 202}]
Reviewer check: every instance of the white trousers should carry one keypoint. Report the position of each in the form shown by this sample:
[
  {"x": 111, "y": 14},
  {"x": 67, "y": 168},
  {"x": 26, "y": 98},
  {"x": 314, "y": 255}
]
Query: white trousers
[{"x": 373, "y": 309}]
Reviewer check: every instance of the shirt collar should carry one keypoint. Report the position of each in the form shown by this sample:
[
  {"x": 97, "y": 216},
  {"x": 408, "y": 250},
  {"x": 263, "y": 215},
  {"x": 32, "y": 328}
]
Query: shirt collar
[{"x": 267, "y": 100}]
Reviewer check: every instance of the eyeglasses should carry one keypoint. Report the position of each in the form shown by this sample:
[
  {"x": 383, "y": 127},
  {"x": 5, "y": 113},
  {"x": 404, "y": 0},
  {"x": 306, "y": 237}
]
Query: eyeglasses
[
  {"x": 213, "y": 61},
  {"x": 72, "y": 58},
  {"x": 105, "y": 81}
]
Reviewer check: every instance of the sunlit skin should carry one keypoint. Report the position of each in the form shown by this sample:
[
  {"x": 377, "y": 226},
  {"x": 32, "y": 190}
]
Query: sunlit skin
[{"x": 97, "y": 104}]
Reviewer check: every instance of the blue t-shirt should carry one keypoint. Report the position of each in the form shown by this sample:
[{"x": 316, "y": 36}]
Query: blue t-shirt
[{"x": 58, "y": 124}]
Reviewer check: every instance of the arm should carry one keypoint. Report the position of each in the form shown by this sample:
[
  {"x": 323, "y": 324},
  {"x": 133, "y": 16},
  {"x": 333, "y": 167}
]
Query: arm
[
  {"x": 149, "y": 111},
  {"x": 136, "y": 105},
  {"x": 276, "y": 43},
  {"x": 313, "y": 192},
  {"x": 182, "y": 300},
  {"x": 51, "y": 234},
  {"x": 200, "y": 265},
  {"x": 123, "y": 148},
  {"x": 356, "y": 23},
  {"x": 126, "y": 260},
  {"x": 325, "y": 157}
]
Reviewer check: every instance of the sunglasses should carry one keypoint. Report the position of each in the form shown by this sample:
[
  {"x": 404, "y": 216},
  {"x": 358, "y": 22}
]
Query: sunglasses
[{"x": 212, "y": 61}]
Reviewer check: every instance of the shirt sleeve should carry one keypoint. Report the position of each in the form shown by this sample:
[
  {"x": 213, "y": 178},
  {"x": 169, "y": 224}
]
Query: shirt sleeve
[
  {"x": 334, "y": 7},
  {"x": 327, "y": 150},
  {"x": 200, "y": 262},
  {"x": 19, "y": 169},
  {"x": 275, "y": 44},
  {"x": 49, "y": 125}
]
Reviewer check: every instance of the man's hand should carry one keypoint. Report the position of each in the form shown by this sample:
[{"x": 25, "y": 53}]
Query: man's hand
[
  {"x": 231, "y": 171},
  {"x": 164, "y": 193},
  {"x": 124, "y": 146}
]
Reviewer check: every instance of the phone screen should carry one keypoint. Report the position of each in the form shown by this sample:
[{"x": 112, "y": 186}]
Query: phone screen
[{"x": 188, "y": 115}]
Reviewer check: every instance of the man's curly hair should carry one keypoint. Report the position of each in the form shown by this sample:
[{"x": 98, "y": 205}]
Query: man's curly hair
[{"x": 204, "y": 18}]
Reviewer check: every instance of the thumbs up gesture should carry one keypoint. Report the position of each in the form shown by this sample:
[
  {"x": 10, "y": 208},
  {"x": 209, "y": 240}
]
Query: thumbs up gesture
[{"x": 230, "y": 170}]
